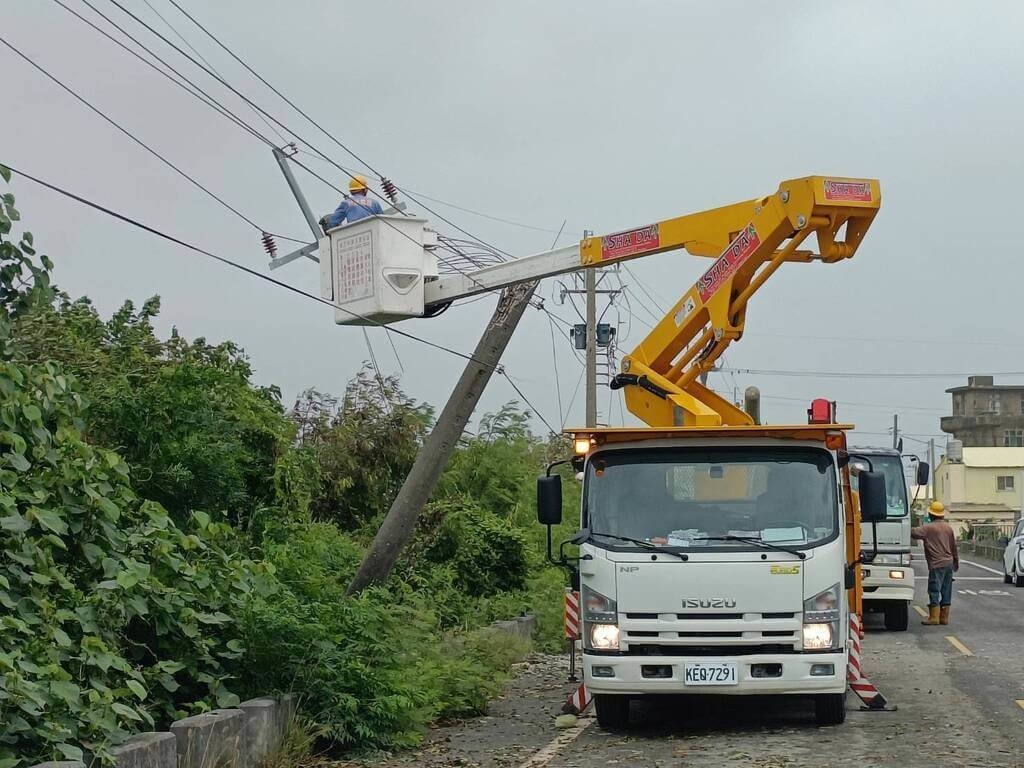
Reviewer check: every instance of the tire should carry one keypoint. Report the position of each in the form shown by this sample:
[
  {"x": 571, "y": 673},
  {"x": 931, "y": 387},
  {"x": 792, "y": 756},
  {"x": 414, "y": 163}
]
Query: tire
[
  {"x": 1018, "y": 580},
  {"x": 897, "y": 616},
  {"x": 612, "y": 711},
  {"x": 830, "y": 708},
  {"x": 1007, "y": 578}
]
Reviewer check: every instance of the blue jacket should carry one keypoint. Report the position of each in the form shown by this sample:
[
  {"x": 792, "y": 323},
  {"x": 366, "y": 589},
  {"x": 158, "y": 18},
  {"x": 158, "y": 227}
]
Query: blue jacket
[{"x": 353, "y": 209}]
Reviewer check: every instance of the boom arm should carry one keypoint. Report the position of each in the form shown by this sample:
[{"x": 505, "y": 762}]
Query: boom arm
[{"x": 750, "y": 240}]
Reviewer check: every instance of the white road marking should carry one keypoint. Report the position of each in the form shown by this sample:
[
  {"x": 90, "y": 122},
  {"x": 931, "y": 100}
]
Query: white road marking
[
  {"x": 922, "y": 611},
  {"x": 967, "y": 592},
  {"x": 959, "y": 646},
  {"x": 544, "y": 756},
  {"x": 983, "y": 567},
  {"x": 992, "y": 592}
]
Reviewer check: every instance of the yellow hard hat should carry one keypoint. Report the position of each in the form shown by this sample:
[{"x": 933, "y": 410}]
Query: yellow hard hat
[
  {"x": 357, "y": 184},
  {"x": 936, "y": 509}
]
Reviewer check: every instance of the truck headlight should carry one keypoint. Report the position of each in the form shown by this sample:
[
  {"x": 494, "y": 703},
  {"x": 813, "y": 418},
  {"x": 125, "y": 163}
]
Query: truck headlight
[
  {"x": 604, "y": 637},
  {"x": 818, "y": 637},
  {"x": 597, "y": 607},
  {"x": 821, "y": 620}
]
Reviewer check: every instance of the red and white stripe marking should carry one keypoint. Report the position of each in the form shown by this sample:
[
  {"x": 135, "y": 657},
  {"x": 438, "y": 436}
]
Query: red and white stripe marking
[
  {"x": 860, "y": 685},
  {"x": 578, "y": 701},
  {"x": 572, "y": 614}
]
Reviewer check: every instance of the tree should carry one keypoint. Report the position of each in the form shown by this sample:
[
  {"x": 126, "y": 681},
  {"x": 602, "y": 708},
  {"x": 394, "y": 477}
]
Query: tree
[
  {"x": 113, "y": 616},
  {"x": 184, "y": 414},
  {"x": 364, "y": 446}
]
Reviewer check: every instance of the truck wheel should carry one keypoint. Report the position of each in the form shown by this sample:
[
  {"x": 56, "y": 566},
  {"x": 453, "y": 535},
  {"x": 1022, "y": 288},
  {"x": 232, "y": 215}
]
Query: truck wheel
[
  {"x": 830, "y": 708},
  {"x": 1018, "y": 580},
  {"x": 897, "y": 616},
  {"x": 612, "y": 711},
  {"x": 1007, "y": 578}
]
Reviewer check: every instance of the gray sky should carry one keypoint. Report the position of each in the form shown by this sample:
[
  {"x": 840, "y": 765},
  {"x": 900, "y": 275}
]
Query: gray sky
[{"x": 607, "y": 115}]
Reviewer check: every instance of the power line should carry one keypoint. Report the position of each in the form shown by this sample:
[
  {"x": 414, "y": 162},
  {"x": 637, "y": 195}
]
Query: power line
[
  {"x": 191, "y": 88},
  {"x": 554, "y": 361},
  {"x": 888, "y": 407},
  {"x": 863, "y": 374},
  {"x": 298, "y": 109},
  {"x": 207, "y": 63},
  {"x": 889, "y": 340},
  {"x": 137, "y": 140},
  {"x": 212, "y": 102},
  {"x": 528, "y": 403},
  {"x": 236, "y": 265},
  {"x": 499, "y": 369}
]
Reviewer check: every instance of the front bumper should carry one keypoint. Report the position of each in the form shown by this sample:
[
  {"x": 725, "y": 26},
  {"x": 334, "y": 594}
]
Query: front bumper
[
  {"x": 795, "y": 679},
  {"x": 879, "y": 585}
]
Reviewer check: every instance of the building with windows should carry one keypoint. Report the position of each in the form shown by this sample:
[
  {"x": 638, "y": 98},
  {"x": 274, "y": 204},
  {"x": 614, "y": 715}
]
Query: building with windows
[
  {"x": 986, "y": 414},
  {"x": 984, "y": 487}
]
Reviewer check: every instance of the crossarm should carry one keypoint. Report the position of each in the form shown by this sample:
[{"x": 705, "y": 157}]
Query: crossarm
[{"x": 750, "y": 241}]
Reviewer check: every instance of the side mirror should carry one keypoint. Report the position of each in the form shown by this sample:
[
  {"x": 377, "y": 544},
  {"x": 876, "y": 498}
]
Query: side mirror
[
  {"x": 923, "y": 471},
  {"x": 549, "y": 500},
  {"x": 871, "y": 489}
]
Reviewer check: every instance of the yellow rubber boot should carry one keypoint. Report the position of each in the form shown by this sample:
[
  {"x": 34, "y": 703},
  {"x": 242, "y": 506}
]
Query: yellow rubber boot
[
  {"x": 933, "y": 616},
  {"x": 944, "y": 614}
]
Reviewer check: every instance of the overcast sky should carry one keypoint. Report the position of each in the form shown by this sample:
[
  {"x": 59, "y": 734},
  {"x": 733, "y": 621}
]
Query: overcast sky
[{"x": 606, "y": 115}]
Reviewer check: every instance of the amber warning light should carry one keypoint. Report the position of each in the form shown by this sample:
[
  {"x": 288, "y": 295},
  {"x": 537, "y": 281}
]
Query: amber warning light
[{"x": 822, "y": 411}]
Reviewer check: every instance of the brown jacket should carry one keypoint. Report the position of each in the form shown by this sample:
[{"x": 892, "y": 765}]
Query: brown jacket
[{"x": 939, "y": 544}]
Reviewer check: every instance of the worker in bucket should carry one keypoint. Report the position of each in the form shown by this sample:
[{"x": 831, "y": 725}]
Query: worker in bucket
[
  {"x": 940, "y": 551},
  {"x": 358, "y": 205}
]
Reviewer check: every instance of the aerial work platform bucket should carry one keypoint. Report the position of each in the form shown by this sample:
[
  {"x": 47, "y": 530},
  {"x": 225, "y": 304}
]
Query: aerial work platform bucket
[{"x": 374, "y": 269}]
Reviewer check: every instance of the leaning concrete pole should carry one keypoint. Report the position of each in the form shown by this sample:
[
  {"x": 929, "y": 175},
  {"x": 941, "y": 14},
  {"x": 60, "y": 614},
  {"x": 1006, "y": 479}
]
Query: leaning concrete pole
[{"x": 400, "y": 522}]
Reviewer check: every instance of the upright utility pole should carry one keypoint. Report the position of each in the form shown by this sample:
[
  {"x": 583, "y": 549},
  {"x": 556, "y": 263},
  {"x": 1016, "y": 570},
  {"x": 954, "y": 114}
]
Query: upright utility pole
[
  {"x": 895, "y": 431},
  {"x": 931, "y": 467},
  {"x": 591, "y": 278},
  {"x": 432, "y": 458}
]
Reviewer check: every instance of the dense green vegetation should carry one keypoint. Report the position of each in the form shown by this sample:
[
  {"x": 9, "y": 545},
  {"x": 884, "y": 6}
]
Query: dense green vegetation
[{"x": 172, "y": 538}]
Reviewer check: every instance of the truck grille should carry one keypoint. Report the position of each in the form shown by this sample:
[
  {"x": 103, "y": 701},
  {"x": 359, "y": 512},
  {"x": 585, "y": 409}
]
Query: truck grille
[
  {"x": 657, "y": 649},
  {"x": 709, "y": 634}
]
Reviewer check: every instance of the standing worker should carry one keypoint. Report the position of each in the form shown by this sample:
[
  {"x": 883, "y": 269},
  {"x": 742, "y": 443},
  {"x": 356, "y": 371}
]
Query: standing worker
[
  {"x": 940, "y": 552},
  {"x": 358, "y": 206}
]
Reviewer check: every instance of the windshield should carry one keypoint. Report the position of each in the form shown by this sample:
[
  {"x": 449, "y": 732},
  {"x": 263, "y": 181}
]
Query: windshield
[
  {"x": 686, "y": 497},
  {"x": 895, "y": 482}
]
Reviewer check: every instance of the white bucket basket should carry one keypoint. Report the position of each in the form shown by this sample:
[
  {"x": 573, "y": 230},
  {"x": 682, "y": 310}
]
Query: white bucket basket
[{"x": 374, "y": 270}]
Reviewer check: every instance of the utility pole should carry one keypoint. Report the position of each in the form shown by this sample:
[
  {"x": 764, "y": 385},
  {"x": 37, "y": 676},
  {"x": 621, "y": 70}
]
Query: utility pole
[
  {"x": 931, "y": 469},
  {"x": 591, "y": 278},
  {"x": 398, "y": 526},
  {"x": 895, "y": 431}
]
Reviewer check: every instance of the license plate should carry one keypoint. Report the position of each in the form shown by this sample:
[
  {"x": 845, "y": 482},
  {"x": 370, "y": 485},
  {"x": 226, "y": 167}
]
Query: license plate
[{"x": 711, "y": 673}]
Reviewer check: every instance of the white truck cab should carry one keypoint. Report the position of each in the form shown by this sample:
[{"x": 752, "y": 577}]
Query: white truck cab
[
  {"x": 888, "y": 579},
  {"x": 716, "y": 566}
]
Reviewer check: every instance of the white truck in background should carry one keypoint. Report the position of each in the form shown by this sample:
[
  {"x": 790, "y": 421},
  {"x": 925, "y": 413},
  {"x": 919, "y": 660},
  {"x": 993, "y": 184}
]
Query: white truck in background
[{"x": 888, "y": 579}]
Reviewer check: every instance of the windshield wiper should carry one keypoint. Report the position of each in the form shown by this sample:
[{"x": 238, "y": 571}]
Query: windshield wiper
[
  {"x": 758, "y": 542},
  {"x": 586, "y": 535}
]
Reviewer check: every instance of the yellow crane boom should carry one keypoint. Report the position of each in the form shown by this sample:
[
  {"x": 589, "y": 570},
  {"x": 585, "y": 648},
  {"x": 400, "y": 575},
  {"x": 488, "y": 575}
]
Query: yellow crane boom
[{"x": 749, "y": 241}]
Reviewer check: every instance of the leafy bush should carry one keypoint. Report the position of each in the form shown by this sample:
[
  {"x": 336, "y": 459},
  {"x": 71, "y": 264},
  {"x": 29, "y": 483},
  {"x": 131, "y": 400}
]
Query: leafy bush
[
  {"x": 374, "y": 670},
  {"x": 364, "y": 446},
  {"x": 486, "y": 554},
  {"x": 114, "y": 617},
  {"x": 196, "y": 432}
]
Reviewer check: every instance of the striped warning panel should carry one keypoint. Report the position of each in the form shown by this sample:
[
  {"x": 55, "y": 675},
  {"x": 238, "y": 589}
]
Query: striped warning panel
[
  {"x": 578, "y": 701},
  {"x": 572, "y": 614},
  {"x": 860, "y": 685}
]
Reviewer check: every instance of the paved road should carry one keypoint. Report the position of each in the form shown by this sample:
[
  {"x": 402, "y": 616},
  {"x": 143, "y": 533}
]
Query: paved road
[{"x": 954, "y": 709}]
